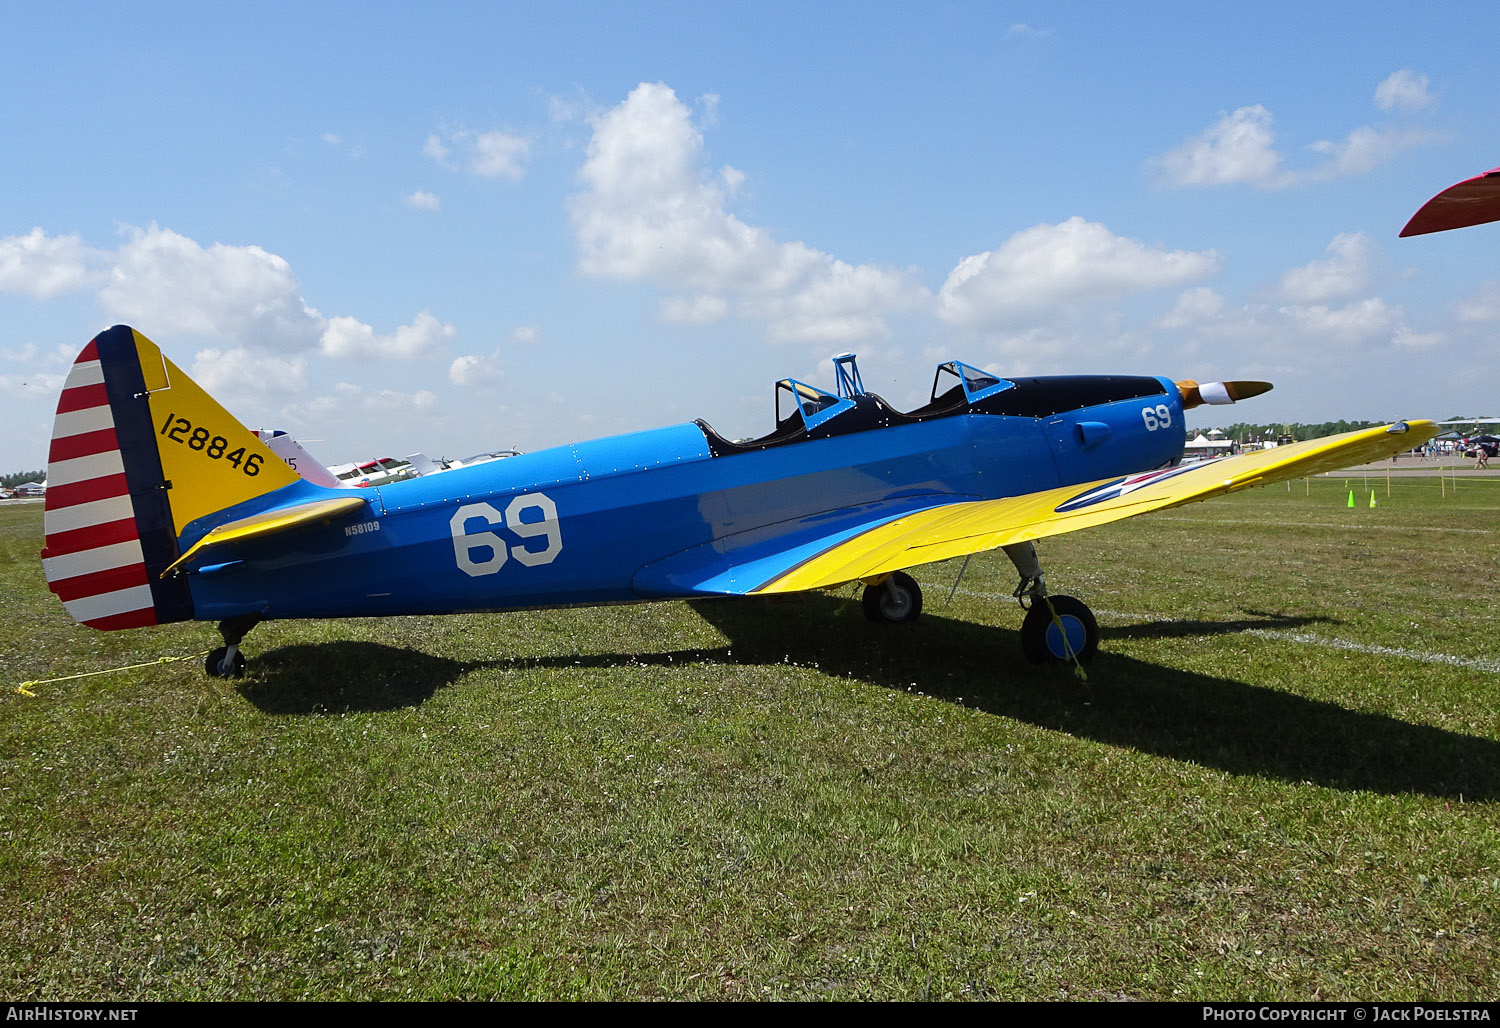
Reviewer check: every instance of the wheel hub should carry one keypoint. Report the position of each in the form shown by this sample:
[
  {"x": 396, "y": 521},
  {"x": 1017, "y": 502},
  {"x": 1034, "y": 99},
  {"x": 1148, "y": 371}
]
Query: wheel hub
[{"x": 1066, "y": 637}]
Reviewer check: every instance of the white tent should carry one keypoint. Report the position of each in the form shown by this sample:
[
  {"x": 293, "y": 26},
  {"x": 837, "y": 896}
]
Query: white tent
[{"x": 1202, "y": 446}]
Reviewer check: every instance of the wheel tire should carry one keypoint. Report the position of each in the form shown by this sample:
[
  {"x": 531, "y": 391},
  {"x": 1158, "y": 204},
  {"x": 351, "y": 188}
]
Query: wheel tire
[
  {"x": 896, "y": 601},
  {"x": 1043, "y": 643},
  {"x": 211, "y": 665}
]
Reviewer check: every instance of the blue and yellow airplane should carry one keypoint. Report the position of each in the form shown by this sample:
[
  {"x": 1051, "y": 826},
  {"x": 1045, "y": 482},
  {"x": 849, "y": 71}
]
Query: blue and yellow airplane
[{"x": 162, "y": 507}]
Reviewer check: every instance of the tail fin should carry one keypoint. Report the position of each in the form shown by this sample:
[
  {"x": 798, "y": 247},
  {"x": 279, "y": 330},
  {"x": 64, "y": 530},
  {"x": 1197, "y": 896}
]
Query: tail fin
[
  {"x": 139, "y": 453},
  {"x": 296, "y": 457}
]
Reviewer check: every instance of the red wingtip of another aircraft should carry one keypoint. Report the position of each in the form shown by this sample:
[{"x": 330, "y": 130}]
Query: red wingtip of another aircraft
[{"x": 1473, "y": 201}]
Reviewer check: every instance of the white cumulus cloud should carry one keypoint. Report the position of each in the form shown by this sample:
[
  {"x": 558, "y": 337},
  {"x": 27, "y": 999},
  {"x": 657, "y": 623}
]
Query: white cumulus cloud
[
  {"x": 170, "y": 283},
  {"x": 1363, "y": 321},
  {"x": 1403, "y": 90},
  {"x": 650, "y": 211},
  {"x": 492, "y": 154},
  {"x": 1481, "y": 306},
  {"x": 239, "y": 370},
  {"x": 1344, "y": 273},
  {"x": 1365, "y": 149},
  {"x": 475, "y": 370},
  {"x": 389, "y": 401},
  {"x": 1192, "y": 307},
  {"x": 694, "y": 310},
  {"x": 1238, "y": 148},
  {"x": 349, "y": 338},
  {"x": 31, "y": 385},
  {"x": 240, "y": 296},
  {"x": 1407, "y": 339},
  {"x": 1044, "y": 267},
  {"x": 422, "y": 200},
  {"x": 44, "y": 266}
]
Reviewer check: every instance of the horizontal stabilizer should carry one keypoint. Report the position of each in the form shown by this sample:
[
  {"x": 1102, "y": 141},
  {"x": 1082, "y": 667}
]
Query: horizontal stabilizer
[{"x": 270, "y": 522}]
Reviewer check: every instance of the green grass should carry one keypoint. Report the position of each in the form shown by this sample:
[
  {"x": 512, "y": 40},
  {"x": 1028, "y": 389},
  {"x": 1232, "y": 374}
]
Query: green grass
[{"x": 1281, "y": 780}]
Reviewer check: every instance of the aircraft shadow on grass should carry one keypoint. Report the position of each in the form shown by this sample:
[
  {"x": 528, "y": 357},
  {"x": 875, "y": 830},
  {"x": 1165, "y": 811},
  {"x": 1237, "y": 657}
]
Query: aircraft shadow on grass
[
  {"x": 1208, "y": 720},
  {"x": 1180, "y": 629},
  {"x": 348, "y": 675},
  {"x": 1204, "y": 719},
  {"x": 317, "y": 678}
]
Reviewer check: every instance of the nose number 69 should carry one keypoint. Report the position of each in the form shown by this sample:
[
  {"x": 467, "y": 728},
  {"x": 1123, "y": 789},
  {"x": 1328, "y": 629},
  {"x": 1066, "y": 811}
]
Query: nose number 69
[{"x": 1156, "y": 417}]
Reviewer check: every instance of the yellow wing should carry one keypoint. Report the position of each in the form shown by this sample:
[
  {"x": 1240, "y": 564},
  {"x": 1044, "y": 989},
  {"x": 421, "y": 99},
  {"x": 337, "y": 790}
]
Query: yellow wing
[{"x": 957, "y": 529}]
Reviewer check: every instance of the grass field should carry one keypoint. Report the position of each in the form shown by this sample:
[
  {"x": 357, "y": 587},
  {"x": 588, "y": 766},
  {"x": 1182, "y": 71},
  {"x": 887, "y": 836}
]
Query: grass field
[{"x": 1281, "y": 780}]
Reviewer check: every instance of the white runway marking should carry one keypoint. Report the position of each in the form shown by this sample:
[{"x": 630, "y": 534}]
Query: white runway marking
[
  {"x": 1280, "y": 525},
  {"x": 1484, "y": 664},
  {"x": 1426, "y": 657}
]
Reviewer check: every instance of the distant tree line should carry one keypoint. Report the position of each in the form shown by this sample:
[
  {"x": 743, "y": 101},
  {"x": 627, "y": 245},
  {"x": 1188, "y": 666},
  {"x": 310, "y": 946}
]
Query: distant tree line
[{"x": 19, "y": 477}]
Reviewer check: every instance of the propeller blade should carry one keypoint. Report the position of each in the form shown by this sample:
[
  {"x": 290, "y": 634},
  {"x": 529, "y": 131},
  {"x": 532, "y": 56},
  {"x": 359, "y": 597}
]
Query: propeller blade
[{"x": 1194, "y": 394}]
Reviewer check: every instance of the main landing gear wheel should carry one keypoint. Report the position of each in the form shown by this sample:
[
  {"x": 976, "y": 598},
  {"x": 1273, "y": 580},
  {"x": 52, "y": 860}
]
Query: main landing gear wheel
[
  {"x": 1072, "y": 634},
  {"x": 895, "y": 601},
  {"x": 214, "y": 664}
]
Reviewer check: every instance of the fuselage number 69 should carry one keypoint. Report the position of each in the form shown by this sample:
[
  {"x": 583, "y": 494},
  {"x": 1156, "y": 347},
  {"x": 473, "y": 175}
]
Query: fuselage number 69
[
  {"x": 485, "y": 552},
  {"x": 1156, "y": 417}
]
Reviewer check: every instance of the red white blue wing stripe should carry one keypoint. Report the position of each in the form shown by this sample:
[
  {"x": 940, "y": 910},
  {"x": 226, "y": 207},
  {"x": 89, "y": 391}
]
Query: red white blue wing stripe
[{"x": 1129, "y": 484}]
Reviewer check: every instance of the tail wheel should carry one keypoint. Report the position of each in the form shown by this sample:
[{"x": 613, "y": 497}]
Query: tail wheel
[
  {"x": 216, "y": 658},
  {"x": 1059, "y": 629},
  {"x": 895, "y": 601}
]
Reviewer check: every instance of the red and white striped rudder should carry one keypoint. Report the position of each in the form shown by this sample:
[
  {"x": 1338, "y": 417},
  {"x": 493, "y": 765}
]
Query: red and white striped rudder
[{"x": 108, "y": 535}]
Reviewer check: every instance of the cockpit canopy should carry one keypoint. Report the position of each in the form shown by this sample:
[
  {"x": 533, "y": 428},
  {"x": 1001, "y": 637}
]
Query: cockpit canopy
[
  {"x": 805, "y": 405},
  {"x": 976, "y": 384},
  {"x": 806, "y": 412}
]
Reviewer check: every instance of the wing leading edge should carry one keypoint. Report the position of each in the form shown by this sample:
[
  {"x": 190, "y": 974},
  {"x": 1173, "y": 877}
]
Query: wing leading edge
[{"x": 958, "y": 529}]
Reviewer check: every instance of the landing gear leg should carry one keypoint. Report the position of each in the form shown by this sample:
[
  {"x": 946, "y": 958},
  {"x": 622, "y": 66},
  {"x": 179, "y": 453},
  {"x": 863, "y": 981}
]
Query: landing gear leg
[
  {"x": 227, "y": 661},
  {"x": 1056, "y": 628}
]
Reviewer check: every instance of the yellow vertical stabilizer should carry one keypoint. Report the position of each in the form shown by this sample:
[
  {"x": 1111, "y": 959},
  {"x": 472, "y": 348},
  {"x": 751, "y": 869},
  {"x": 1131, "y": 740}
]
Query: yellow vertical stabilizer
[{"x": 209, "y": 461}]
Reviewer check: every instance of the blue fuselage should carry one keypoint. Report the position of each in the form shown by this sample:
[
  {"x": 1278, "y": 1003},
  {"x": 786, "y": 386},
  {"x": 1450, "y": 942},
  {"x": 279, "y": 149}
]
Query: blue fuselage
[{"x": 658, "y": 514}]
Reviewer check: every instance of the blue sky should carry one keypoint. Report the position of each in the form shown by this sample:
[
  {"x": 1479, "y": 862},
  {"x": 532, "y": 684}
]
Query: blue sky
[{"x": 458, "y": 227}]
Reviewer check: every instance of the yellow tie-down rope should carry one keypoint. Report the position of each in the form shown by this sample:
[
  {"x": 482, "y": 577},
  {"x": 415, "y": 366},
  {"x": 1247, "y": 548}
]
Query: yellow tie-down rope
[
  {"x": 1078, "y": 671},
  {"x": 24, "y": 688}
]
